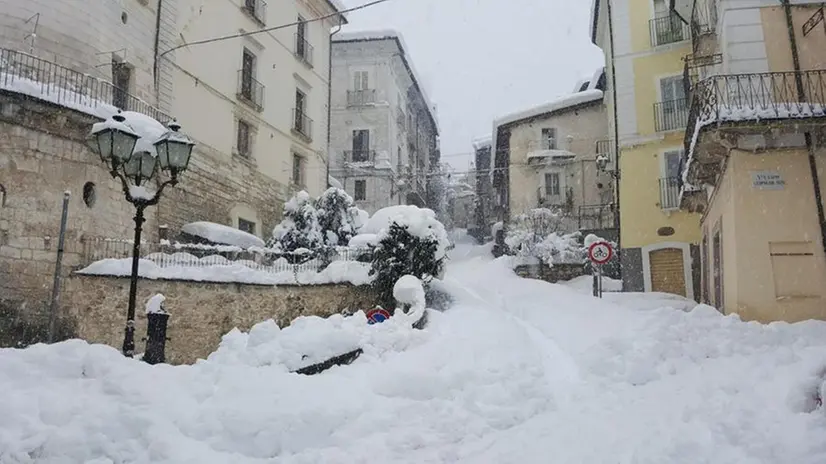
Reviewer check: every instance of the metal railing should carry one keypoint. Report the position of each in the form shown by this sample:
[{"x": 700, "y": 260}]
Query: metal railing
[
  {"x": 560, "y": 198},
  {"x": 604, "y": 147},
  {"x": 302, "y": 124},
  {"x": 670, "y": 192},
  {"x": 257, "y": 9},
  {"x": 597, "y": 216},
  {"x": 667, "y": 30},
  {"x": 360, "y": 156},
  {"x": 190, "y": 255},
  {"x": 303, "y": 49},
  {"x": 703, "y": 20},
  {"x": 361, "y": 97},
  {"x": 27, "y": 74},
  {"x": 670, "y": 115},
  {"x": 250, "y": 91}
]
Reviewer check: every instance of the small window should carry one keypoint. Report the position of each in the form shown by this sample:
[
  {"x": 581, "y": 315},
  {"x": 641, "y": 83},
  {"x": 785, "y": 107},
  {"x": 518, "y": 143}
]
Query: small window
[
  {"x": 89, "y": 194},
  {"x": 121, "y": 82},
  {"x": 246, "y": 226},
  {"x": 549, "y": 138},
  {"x": 244, "y": 136},
  {"x": 361, "y": 190},
  {"x": 2, "y": 196},
  {"x": 361, "y": 80},
  {"x": 671, "y": 163},
  {"x": 298, "y": 170},
  {"x": 552, "y": 183}
]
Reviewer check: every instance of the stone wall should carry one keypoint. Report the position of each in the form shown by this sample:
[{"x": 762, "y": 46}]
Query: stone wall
[
  {"x": 200, "y": 312},
  {"x": 557, "y": 273}
]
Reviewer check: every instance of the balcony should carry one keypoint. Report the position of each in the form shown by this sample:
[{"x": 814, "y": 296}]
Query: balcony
[
  {"x": 302, "y": 125},
  {"x": 27, "y": 74},
  {"x": 257, "y": 10},
  {"x": 360, "y": 156},
  {"x": 669, "y": 193},
  {"x": 593, "y": 217},
  {"x": 670, "y": 115},
  {"x": 250, "y": 91},
  {"x": 703, "y": 25},
  {"x": 361, "y": 97},
  {"x": 667, "y": 30},
  {"x": 726, "y": 109},
  {"x": 558, "y": 198},
  {"x": 303, "y": 50}
]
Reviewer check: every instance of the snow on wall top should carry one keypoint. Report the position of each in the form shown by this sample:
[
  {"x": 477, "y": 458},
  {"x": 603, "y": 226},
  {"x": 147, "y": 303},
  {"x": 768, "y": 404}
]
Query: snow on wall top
[
  {"x": 565, "y": 102},
  {"x": 482, "y": 142},
  {"x": 219, "y": 233},
  {"x": 391, "y": 34}
]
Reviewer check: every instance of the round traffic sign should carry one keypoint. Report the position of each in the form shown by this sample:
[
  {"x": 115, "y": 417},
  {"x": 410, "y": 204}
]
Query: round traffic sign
[
  {"x": 377, "y": 316},
  {"x": 600, "y": 252}
]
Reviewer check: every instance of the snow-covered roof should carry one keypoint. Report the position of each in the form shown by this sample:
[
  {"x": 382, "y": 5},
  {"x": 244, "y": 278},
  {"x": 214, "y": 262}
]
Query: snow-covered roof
[
  {"x": 219, "y": 233},
  {"x": 339, "y": 7},
  {"x": 482, "y": 142},
  {"x": 391, "y": 34},
  {"x": 334, "y": 182},
  {"x": 552, "y": 154},
  {"x": 568, "y": 101}
]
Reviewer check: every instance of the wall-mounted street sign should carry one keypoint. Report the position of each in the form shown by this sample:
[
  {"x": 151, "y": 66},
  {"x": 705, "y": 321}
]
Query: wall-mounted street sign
[{"x": 767, "y": 180}]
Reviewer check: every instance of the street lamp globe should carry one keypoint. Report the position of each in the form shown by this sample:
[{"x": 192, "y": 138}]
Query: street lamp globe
[
  {"x": 174, "y": 150},
  {"x": 115, "y": 140}
]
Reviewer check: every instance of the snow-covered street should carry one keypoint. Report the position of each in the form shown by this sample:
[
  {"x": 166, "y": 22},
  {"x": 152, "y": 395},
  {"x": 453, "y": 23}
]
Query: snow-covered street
[{"x": 517, "y": 371}]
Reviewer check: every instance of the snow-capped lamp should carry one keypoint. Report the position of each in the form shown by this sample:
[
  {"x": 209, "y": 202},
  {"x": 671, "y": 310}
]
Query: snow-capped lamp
[{"x": 125, "y": 149}]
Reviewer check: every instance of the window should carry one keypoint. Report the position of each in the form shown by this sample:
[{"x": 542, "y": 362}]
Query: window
[
  {"x": 2, "y": 196},
  {"x": 298, "y": 170},
  {"x": 361, "y": 80},
  {"x": 247, "y": 73},
  {"x": 361, "y": 190},
  {"x": 121, "y": 81},
  {"x": 549, "y": 138},
  {"x": 300, "y": 104},
  {"x": 704, "y": 273},
  {"x": 552, "y": 187},
  {"x": 671, "y": 164},
  {"x": 246, "y": 226},
  {"x": 244, "y": 135},
  {"x": 89, "y": 194},
  {"x": 301, "y": 47},
  {"x": 361, "y": 145},
  {"x": 717, "y": 251},
  {"x": 672, "y": 89}
]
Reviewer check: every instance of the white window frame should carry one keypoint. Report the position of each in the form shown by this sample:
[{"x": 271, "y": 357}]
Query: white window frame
[
  {"x": 664, "y": 161},
  {"x": 543, "y": 140},
  {"x": 560, "y": 181},
  {"x": 646, "y": 264}
]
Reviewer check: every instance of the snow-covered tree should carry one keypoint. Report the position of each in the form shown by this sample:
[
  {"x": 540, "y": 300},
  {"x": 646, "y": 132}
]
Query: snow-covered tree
[
  {"x": 300, "y": 228},
  {"x": 338, "y": 217},
  {"x": 414, "y": 243},
  {"x": 545, "y": 235}
]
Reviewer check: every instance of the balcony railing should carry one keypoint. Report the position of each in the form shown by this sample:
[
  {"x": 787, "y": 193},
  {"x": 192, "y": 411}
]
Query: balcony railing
[
  {"x": 257, "y": 9},
  {"x": 597, "y": 216},
  {"x": 250, "y": 91},
  {"x": 670, "y": 193},
  {"x": 303, "y": 49},
  {"x": 302, "y": 125},
  {"x": 360, "y": 156},
  {"x": 30, "y": 75},
  {"x": 703, "y": 22},
  {"x": 555, "y": 198},
  {"x": 667, "y": 30},
  {"x": 670, "y": 115},
  {"x": 361, "y": 97}
]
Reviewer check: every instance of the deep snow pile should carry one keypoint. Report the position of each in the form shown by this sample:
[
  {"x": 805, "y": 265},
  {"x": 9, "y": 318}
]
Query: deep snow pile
[{"x": 518, "y": 371}]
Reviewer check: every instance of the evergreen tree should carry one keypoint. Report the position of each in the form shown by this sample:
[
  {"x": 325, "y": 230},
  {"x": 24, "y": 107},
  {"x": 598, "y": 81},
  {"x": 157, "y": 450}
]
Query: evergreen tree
[
  {"x": 300, "y": 228},
  {"x": 338, "y": 218}
]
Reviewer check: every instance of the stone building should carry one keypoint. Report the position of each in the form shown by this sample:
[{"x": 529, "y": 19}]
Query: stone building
[{"x": 384, "y": 133}]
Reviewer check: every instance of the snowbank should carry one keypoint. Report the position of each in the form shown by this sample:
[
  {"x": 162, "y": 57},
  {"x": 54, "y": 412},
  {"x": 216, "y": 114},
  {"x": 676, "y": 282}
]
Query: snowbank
[
  {"x": 224, "y": 235},
  {"x": 409, "y": 290},
  {"x": 420, "y": 222},
  {"x": 225, "y": 271}
]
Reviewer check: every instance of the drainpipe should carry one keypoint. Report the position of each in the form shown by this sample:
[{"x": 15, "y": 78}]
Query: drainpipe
[
  {"x": 616, "y": 132},
  {"x": 156, "y": 68},
  {"x": 807, "y": 135},
  {"x": 330, "y": 98}
]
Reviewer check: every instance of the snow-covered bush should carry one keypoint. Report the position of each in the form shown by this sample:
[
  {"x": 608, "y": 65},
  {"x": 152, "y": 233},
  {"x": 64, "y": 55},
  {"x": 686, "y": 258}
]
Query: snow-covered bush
[
  {"x": 300, "y": 228},
  {"x": 413, "y": 242},
  {"x": 338, "y": 217},
  {"x": 545, "y": 235}
]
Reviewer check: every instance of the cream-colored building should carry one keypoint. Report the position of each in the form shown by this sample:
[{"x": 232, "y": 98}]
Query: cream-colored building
[
  {"x": 755, "y": 165},
  {"x": 550, "y": 154}
]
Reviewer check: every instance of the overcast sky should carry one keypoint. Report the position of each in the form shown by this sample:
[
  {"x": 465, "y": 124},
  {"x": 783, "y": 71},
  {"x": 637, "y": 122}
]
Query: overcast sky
[{"x": 481, "y": 59}]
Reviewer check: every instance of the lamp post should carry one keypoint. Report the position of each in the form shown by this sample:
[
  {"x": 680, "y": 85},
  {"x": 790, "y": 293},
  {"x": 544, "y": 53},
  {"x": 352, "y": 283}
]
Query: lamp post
[{"x": 117, "y": 145}]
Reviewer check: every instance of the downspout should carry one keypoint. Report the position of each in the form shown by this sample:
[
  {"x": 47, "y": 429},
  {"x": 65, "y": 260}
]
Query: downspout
[
  {"x": 807, "y": 134},
  {"x": 616, "y": 131},
  {"x": 156, "y": 67},
  {"x": 330, "y": 98}
]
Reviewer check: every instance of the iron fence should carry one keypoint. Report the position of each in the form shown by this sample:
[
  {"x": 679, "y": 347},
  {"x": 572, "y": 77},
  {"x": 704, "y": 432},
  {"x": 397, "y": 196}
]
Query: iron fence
[
  {"x": 303, "y": 49},
  {"x": 670, "y": 192},
  {"x": 670, "y": 115},
  {"x": 668, "y": 29},
  {"x": 169, "y": 255},
  {"x": 250, "y": 90},
  {"x": 302, "y": 124},
  {"x": 30, "y": 75},
  {"x": 597, "y": 216},
  {"x": 360, "y": 156},
  {"x": 361, "y": 97}
]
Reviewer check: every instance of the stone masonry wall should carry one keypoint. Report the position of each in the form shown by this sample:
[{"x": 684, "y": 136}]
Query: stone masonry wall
[
  {"x": 43, "y": 154},
  {"x": 201, "y": 313}
]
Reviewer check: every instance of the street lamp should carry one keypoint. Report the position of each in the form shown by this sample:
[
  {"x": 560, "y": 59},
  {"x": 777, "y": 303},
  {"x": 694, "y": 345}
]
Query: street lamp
[{"x": 116, "y": 144}]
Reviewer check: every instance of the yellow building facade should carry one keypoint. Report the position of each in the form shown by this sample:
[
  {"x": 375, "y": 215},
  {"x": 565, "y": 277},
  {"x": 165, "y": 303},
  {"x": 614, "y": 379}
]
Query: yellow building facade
[{"x": 648, "y": 110}]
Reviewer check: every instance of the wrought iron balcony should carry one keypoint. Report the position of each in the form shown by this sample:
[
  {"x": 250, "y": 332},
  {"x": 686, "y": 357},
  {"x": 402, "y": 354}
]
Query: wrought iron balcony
[
  {"x": 250, "y": 91},
  {"x": 302, "y": 125},
  {"x": 303, "y": 49},
  {"x": 360, "y": 156},
  {"x": 670, "y": 193},
  {"x": 257, "y": 9},
  {"x": 670, "y": 115},
  {"x": 361, "y": 97},
  {"x": 667, "y": 30},
  {"x": 556, "y": 198},
  {"x": 598, "y": 217}
]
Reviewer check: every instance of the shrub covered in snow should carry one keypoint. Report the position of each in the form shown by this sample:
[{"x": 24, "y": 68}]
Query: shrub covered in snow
[
  {"x": 413, "y": 242},
  {"x": 338, "y": 217},
  {"x": 544, "y": 235},
  {"x": 300, "y": 228}
]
